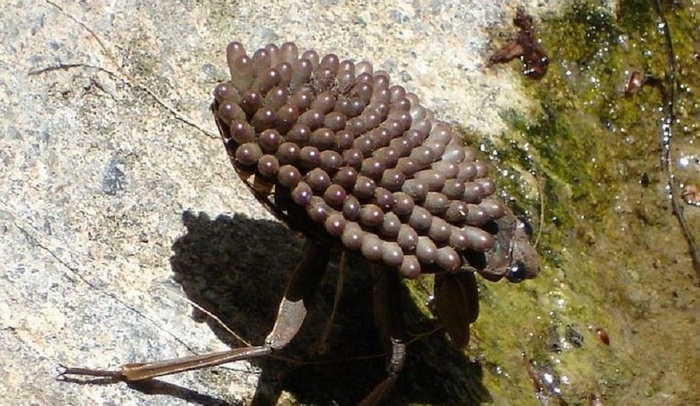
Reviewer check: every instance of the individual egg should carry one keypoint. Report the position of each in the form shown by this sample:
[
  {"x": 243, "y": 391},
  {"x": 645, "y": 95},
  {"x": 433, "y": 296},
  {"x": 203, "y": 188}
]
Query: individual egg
[
  {"x": 289, "y": 52},
  {"x": 453, "y": 189},
  {"x": 285, "y": 71},
  {"x": 261, "y": 60},
  {"x": 364, "y": 188},
  {"x": 302, "y": 98},
  {"x": 352, "y": 236},
  {"x": 318, "y": 210},
  {"x": 268, "y": 166},
  {"x": 448, "y": 259},
  {"x": 456, "y": 212},
  {"x": 487, "y": 185},
  {"x": 335, "y": 195},
  {"x": 453, "y": 154},
  {"x": 302, "y": 194},
  {"x": 274, "y": 52},
  {"x": 407, "y": 166},
  {"x": 234, "y": 50},
  {"x": 482, "y": 170},
  {"x": 322, "y": 138},
  {"x": 396, "y": 126},
  {"x": 392, "y": 254},
  {"x": 420, "y": 218},
  {"x": 288, "y": 176},
  {"x": 299, "y": 134},
  {"x": 312, "y": 118},
  {"x": 371, "y": 215},
  {"x": 335, "y": 121},
  {"x": 269, "y": 141},
  {"x": 356, "y": 126},
  {"x": 494, "y": 208},
  {"x": 343, "y": 140},
  {"x": 323, "y": 102},
  {"x": 436, "y": 203},
  {"x": 364, "y": 144},
  {"x": 351, "y": 208},
  {"x": 439, "y": 230},
  {"x": 346, "y": 66},
  {"x": 423, "y": 156},
  {"x": 286, "y": 117},
  {"x": 479, "y": 240},
  {"x": 242, "y": 132},
  {"x": 383, "y": 198},
  {"x": 250, "y": 103},
  {"x": 287, "y": 153},
  {"x": 410, "y": 267},
  {"x": 330, "y": 62},
  {"x": 407, "y": 238},
  {"x": 473, "y": 192},
  {"x": 372, "y": 117},
  {"x": 357, "y": 106},
  {"x": 248, "y": 153},
  {"x": 403, "y": 204},
  {"x": 363, "y": 91},
  {"x": 440, "y": 133},
  {"x": 392, "y": 180},
  {"x": 415, "y": 188},
  {"x": 346, "y": 176},
  {"x": 301, "y": 73},
  {"x": 397, "y": 92},
  {"x": 242, "y": 73},
  {"x": 476, "y": 216},
  {"x": 363, "y": 68},
  {"x": 345, "y": 80},
  {"x": 372, "y": 247},
  {"x": 266, "y": 80},
  {"x": 391, "y": 225},
  {"x": 389, "y": 156},
  {"x": 353, "y": 157},
  {"x": 335, "y": 224},
  {"x": 447, "y": 169},
  {"x": 459, "y": 239},
  {"x": 415, "y": 137},
  {"x": 226, "y": 91},
  {"x": 229, "y": 111},
  {"x": 312, "y": 56},
  {"x": 426, "y": 251},
  {"x": 318, "y": 180},
  {"x": 403, "y": 105},
  {"x": 276, "y": 97},
  {"x": 330, "y": 161},
  {"x": 467, "y": 171},
  {"x": 372, "y": 167},
  {"x": 263, "y": 119},
  {"x": 433, "y": 180},
  {"x": 309, "y": 157},
  {"x": 422, "y": 127}
]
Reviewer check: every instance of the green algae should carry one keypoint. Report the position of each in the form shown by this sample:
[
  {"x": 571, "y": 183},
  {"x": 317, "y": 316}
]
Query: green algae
[{"x": 584, "y": 166}]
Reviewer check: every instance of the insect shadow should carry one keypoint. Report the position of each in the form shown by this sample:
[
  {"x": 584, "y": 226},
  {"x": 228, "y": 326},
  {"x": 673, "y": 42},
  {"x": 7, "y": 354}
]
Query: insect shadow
[{"x": 237, "y": 269}]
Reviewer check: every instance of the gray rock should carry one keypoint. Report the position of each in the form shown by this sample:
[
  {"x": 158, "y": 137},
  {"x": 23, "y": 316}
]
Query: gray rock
[{"x": 97, "y": 175}]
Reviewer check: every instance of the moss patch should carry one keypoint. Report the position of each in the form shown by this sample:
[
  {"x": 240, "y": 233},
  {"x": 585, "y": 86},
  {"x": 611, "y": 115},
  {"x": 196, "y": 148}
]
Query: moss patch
[{"x": 584, "y": 166}]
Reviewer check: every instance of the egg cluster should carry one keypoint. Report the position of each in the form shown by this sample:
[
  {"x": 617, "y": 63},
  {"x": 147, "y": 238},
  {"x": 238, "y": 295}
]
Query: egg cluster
[{"x": 361, "y": 157}]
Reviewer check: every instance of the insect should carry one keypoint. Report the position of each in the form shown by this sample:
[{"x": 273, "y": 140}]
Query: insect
[{"x": 336, "y": 152}]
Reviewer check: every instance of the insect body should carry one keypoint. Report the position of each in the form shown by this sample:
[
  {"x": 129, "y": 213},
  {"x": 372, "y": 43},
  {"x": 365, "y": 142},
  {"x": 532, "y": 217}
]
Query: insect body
[{"x": 338, "y": 153}]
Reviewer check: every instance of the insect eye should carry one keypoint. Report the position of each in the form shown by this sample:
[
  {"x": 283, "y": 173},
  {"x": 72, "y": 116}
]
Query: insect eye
[{"x": 517, "y": 272}]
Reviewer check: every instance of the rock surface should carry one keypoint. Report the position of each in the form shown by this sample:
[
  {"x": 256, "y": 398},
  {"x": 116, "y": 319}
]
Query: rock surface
[{"x": 100, "y": 180}]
